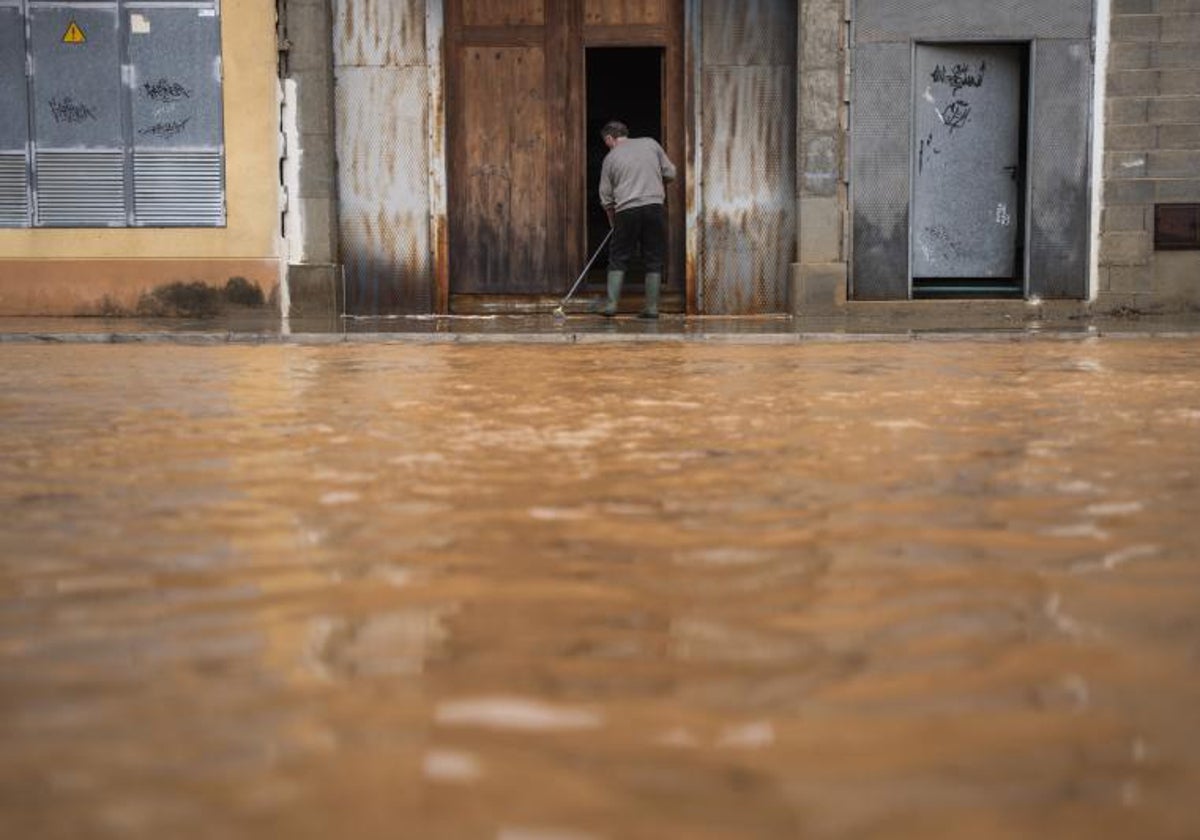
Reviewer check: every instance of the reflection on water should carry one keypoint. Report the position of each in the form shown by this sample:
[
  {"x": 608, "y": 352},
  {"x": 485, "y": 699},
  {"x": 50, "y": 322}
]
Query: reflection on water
[{"x": 876, "y": 590}]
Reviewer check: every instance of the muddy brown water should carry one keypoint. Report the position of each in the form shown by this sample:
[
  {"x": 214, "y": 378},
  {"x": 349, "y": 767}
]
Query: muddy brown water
[{"x": 909, "y": 590}]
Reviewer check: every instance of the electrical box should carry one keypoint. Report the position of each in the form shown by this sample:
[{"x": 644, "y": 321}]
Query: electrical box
[{"x": 120, "y": 104}]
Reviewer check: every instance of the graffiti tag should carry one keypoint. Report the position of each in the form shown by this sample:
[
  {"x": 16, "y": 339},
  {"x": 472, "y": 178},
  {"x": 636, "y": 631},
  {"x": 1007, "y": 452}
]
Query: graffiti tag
[
  {"x": 959, "y": 76},
  {"x": 165, "y": 129},
  {"x": 164, "y": 90},
  {"x": 956, "y": 115},
  {"x": 67, "y": 110},
  {"x": 926, "y": 146}
]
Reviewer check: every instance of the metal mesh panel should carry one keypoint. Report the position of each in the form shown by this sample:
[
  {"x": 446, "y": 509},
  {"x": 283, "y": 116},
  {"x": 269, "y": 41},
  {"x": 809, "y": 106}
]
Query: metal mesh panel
[
  {"x": 899, "y": 20},
  {"x": 14, "y": 113},
  {"x": 178, "y": 188},
  {"x": 1058, "y": 159},
  {"x": 383, "y": 189},
  {"x": 880, "y": 162},
  {"x": 83, "y": 189},
  {"x": 14, "y": 191}
]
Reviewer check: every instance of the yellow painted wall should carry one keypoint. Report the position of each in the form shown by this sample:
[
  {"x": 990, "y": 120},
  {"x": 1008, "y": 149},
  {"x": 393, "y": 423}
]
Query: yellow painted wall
[{"x": 81, "y": 271}]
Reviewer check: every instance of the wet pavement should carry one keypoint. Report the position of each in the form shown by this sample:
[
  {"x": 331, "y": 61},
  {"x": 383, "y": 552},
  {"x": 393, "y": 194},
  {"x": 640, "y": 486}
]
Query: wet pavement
[
  {"x": 860, "y": 321},
  {"x": 584, "y": 589}
]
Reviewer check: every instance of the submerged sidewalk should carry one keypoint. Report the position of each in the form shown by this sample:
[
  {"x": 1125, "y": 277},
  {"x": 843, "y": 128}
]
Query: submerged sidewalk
[{"x": 890, "y": 321}]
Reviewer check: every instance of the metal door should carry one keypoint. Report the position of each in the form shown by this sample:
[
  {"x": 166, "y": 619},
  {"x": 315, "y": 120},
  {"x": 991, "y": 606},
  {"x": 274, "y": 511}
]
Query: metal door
[{"x": 967, "y": 181}]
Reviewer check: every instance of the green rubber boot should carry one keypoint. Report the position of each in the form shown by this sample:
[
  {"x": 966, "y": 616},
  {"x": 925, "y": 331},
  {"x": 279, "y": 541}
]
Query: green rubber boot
[
  {"x": 653, "y": 288},
  {"x": 615, "y": 279}
]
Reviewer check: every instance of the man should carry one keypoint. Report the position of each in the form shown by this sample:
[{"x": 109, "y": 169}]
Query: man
[{"x": 632, "y": 192}]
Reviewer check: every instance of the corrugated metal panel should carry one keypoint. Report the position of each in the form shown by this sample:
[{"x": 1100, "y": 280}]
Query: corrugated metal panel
[
  {"x": 81, "y": 189},
  {"x": 1058, "y": 161},
  {"x": 879, "y": 170},
  {"x": 383, "y": 189},
  {"x": 749, "y": 194},
  {"x": 383, "y": 155},
  {"x": 748, "y": 168},
  {"x": 14, "y": 191},
  {"x": 178, "y": 189},
  {"x": 899, "y": 20},
  {"x": 379, "y": 33}
]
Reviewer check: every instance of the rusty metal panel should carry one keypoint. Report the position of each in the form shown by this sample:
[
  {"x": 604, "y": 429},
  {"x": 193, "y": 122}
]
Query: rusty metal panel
[
  {"x": 624, "y": 12},
  {"x": 379, "y": 33},
  {"x": 749, "y": 194},
  {"x": 504, "y": 12},
  {"x": 748, "y": 171},
  {"x": 383, "y": 189},
  {"x": 879, "y": 21},
  {"x": 500, "y": 228}
]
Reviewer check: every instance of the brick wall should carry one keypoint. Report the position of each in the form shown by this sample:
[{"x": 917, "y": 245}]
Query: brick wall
[{"x": 1152, "y": 152}]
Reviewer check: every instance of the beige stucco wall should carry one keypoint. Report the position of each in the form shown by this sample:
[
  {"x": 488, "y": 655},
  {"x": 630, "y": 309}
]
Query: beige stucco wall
[{"x": 85, "y": 271}]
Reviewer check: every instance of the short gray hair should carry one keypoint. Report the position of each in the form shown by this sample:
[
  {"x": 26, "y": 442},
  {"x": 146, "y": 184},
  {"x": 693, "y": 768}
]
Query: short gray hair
[{"x": 614, "y": 129}]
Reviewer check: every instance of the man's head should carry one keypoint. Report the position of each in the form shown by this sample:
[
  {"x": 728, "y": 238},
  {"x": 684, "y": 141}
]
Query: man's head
[{"x": 613, "y": 132}]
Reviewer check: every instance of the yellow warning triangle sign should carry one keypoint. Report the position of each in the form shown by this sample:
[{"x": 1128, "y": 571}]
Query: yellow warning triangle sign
[{"x": 74, "y": 35}]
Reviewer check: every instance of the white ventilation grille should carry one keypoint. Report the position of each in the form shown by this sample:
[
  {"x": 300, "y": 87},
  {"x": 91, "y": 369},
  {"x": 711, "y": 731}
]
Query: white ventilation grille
[
  {"x": 81, "y": 189},
  {"x": 173, "y": 188},
  {"x": 14, "y": 191}
]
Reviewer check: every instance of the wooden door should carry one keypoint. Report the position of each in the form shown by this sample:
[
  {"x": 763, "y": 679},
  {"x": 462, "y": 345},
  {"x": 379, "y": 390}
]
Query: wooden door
[
  {"x": 515, "y": 118},
  {"x": 507, "y": 90}
]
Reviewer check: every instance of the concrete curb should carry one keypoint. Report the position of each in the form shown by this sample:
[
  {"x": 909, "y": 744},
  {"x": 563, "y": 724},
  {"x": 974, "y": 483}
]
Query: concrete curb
[{"x": 213, "y": 339}]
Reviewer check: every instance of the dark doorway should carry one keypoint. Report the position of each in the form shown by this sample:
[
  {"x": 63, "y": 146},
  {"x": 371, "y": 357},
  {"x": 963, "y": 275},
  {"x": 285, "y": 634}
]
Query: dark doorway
[
  {"x": 626, "y": 84},
  {"x": 524, "y": 107}
]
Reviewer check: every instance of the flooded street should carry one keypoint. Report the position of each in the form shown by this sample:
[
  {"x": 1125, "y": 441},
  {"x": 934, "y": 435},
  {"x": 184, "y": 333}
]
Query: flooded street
[{"x": 913, "y": 589}]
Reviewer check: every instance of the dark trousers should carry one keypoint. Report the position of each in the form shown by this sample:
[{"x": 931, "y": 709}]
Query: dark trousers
[{"x": 645, "y": 226}]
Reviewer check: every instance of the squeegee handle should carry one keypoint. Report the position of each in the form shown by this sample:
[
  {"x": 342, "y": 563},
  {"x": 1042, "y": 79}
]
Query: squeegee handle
[{"x": 588, "y": 267}]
